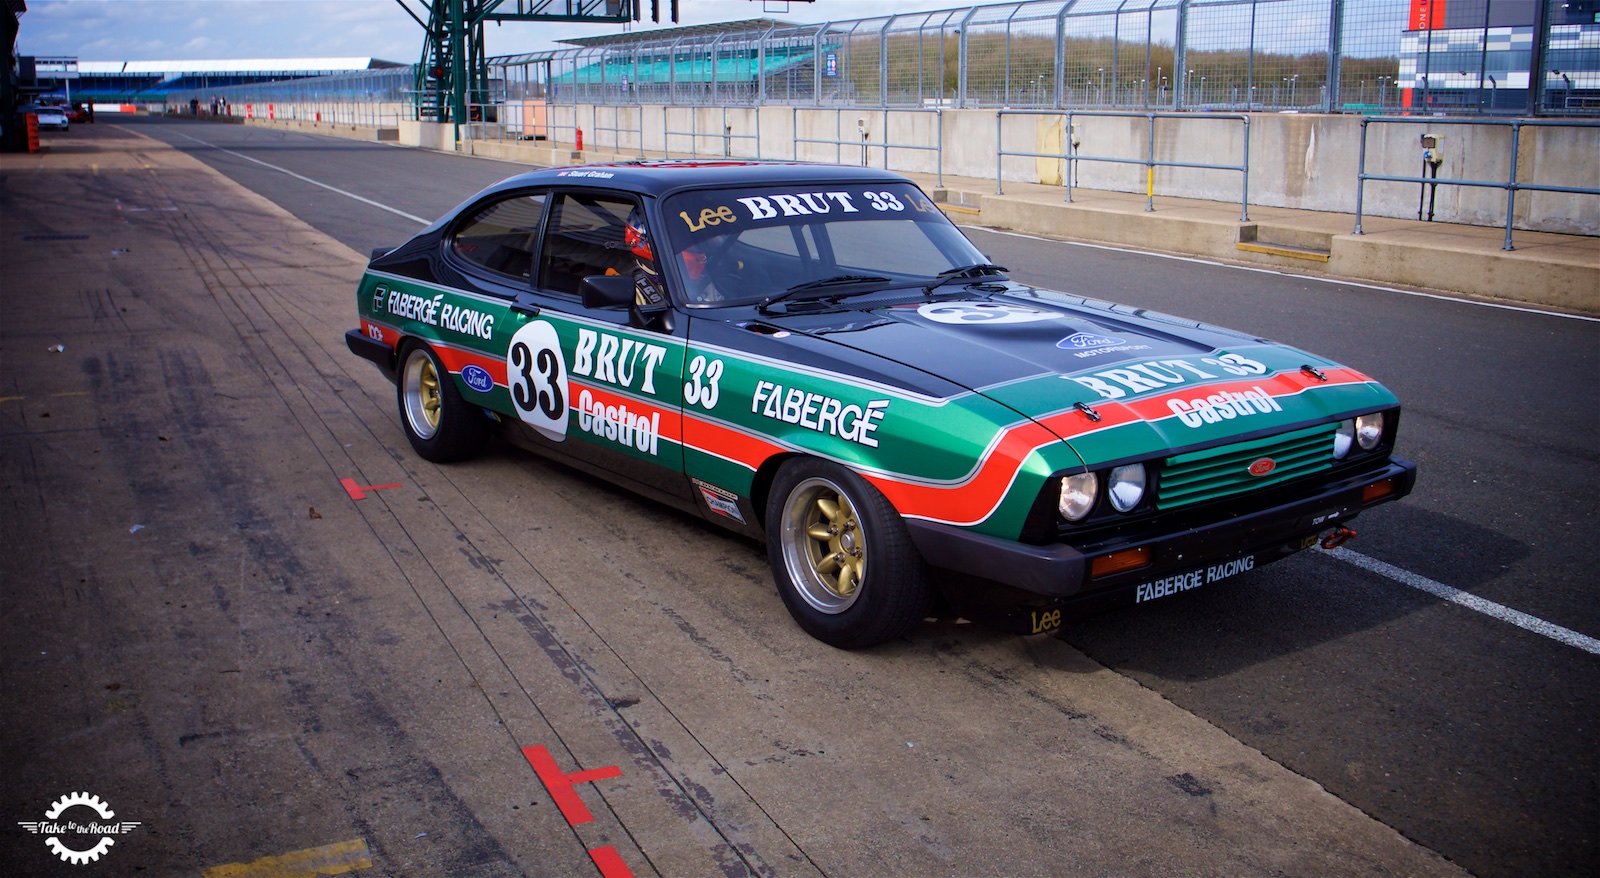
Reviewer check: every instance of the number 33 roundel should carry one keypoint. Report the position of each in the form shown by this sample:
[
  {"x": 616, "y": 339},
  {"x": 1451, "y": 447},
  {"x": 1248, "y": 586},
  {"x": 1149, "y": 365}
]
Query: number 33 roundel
[{"x": 537, "y": 374}]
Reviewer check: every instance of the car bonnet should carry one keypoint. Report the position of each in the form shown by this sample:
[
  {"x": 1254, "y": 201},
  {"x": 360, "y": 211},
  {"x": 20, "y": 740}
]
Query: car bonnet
[{"x": 1114, "y": 381}]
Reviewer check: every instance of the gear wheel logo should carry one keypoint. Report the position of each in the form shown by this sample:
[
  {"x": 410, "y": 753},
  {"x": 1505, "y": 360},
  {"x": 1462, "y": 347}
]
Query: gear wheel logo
[{"x": 54, "y": 827}]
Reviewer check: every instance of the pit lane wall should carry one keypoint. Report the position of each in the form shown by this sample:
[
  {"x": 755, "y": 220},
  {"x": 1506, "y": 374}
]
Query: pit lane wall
[{"x": 1299, "y": 161}]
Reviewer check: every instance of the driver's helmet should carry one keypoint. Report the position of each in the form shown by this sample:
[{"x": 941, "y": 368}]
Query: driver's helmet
[{"x": 637, "y": 237}]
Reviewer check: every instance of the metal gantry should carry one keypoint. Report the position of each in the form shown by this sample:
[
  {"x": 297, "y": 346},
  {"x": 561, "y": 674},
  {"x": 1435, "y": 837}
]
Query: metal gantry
[{"x": 454, "y": 73}]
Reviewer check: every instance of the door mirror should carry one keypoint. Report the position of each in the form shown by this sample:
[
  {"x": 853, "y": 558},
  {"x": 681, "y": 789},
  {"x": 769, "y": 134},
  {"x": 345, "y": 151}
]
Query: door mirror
[{"x": 606, "y": 291}]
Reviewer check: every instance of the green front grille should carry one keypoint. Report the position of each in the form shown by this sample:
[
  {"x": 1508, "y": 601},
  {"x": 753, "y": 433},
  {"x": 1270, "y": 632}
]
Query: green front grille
[{"x": 1225, "y": 471}]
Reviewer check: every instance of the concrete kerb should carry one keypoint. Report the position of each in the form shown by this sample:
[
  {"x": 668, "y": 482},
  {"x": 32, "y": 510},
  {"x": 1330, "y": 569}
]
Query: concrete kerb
[
  {"x": 1550, "y": 270},
  {"x": 1557, "y": 271}
]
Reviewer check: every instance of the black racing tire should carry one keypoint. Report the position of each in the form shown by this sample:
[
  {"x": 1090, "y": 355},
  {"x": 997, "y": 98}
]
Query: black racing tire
[
  {"x": 843, "y": 559},
  {"x": 440, "y": 425}
]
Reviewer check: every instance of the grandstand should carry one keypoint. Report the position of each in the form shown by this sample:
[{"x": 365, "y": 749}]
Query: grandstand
[{"x": 145, "y": 82}]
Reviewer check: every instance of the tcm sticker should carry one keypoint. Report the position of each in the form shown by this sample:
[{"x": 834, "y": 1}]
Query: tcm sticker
[{"x": 721, "y": 502}]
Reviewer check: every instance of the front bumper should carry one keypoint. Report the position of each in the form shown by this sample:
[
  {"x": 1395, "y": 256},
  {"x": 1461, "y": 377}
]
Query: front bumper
[{"x": 1044, "y": 578}]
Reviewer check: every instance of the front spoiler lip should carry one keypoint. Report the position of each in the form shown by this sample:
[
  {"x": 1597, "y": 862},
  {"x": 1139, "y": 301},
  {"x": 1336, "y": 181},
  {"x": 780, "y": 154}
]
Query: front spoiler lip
[{"x": 1059, "y": 572}]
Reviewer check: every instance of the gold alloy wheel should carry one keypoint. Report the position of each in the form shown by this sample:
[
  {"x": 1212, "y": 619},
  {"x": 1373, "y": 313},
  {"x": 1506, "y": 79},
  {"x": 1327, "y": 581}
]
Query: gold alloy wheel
[
  {"x": 422, "y": 394},
  {"x": 824, "y": 546}
]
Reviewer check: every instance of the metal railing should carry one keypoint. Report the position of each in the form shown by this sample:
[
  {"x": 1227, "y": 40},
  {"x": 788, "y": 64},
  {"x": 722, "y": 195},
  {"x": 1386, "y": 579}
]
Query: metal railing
[
  {"x": 1150, "y": 162},
  {"x": 864, "y": 141},
  {"x": 1510, "y": 184},
  {"x": 616, "y": 129},
  {"x": 725, "y": 137}
]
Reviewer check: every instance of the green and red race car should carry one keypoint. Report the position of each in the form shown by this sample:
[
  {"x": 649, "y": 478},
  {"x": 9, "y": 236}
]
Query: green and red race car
[{"x": 815, "y": 356}]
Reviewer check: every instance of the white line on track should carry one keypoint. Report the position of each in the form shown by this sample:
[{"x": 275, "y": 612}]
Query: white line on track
[
  {"x": 1470, "y": 601},
  {"x": 380, "y": 206},
  {"x": 1326, "y": 280}
]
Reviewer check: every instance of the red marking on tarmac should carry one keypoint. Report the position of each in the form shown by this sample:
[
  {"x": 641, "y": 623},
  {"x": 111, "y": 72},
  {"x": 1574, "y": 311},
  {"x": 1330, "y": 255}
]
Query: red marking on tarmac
[
  {"x": 359, "y": 492},
  {"x": 560, "y": 786},
  {"x": 610, "y": 862}
]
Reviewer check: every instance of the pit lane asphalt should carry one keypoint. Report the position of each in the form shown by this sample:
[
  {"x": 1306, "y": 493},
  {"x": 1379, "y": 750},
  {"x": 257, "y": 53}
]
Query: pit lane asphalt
[{"x": 1469, "y": 736}]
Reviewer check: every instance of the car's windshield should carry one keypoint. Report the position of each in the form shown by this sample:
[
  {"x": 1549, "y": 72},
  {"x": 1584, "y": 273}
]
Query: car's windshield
[{"x": 737, "y": 246}]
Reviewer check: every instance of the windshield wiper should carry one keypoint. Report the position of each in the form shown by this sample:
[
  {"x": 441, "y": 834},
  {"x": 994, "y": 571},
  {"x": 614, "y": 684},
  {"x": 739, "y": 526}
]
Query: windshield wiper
[
  {"x": 965, "y": 271},
  {"x": 836, "y": 280}
]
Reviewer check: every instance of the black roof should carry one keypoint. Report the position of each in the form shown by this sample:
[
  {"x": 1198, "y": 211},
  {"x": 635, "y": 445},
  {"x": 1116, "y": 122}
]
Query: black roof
[{"x": 663, "y": 177}]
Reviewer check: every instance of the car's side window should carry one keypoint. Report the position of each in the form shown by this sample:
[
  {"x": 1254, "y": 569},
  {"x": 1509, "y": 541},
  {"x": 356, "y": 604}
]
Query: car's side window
[
  {"x": 501, "y": 237},
  {"x": 586, "y": 236}
]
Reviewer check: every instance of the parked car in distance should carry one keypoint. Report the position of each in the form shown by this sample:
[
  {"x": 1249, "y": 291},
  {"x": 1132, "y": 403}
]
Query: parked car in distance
[{"x": 50, "y": 117}]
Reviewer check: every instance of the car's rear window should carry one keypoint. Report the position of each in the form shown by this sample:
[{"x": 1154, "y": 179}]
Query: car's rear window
[
  {"x": 501, "y": 237},
  {"x": 741, "y": 245}
]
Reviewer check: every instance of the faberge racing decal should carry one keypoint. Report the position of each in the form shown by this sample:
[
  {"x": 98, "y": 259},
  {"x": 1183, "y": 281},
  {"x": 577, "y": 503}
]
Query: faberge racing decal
[
  {"x": 435, "y": 311},
  {"x": 824, "y": 414},
  {"x": 1171, "y": 585}
]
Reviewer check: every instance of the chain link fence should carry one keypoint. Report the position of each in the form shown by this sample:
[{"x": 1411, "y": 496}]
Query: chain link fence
[
  {"x": 1461, "y": 57},
  {"x": 1529, "y": 57},
  {"x": 367, "y": 98}
]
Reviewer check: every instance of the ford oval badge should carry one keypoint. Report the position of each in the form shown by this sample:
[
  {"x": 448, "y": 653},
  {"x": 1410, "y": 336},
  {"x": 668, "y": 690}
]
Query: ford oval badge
[
  {"x": 478, "y": 378},
  {"x": 1263, "y": 466}
]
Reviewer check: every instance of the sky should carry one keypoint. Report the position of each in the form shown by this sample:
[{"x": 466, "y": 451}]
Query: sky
[{"x": 185, "y": 30}]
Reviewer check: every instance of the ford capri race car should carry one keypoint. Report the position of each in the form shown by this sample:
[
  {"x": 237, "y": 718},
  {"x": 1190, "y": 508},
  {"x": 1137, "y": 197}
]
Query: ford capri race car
[{"x": 815, "y": 356}]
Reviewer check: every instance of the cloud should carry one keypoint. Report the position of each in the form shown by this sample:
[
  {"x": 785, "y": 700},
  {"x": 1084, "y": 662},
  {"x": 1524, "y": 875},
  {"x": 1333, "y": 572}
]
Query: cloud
[{"x": 131, "y": 30}]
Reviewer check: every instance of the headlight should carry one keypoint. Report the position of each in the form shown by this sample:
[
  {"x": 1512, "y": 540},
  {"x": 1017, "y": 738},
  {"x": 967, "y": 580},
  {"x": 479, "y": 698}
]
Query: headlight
[
  {"x": 1125, "y": 487},
  {"x": 1369, "y": 430},
  {"x": 1343, "y": 439},
  {"x": 1077, "y": 495}
]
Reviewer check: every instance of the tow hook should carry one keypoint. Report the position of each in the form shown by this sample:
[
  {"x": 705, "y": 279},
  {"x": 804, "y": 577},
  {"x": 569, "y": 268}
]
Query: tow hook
[{"x": 1338, "y": 537}]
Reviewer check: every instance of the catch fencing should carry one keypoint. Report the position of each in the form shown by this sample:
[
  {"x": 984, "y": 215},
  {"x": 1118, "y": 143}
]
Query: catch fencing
[
  {"x": 1461, "y": 57},
  {"x": 367, "y": 98},
  {"x": 1368, "y": 56}
]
